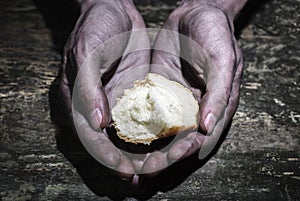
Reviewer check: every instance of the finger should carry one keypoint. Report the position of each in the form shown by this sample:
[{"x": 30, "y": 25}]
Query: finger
[
  {"x": 125, "y": 169},
  {"x": 64, "y": 89},
  {"x": 166, "y": 51},
  {"x": 235, "y": 91},
  {"x": 138, "y": 161},
  {"x": 219, "y": 84},
  {"x": 185, "y": 147},
  {"x": 102, "y": 149},
  {"x": 137, "y": 179},
  {"x": 213, "y": 57},
  {"x": 134, "y": 65},
  {"x": 94, "y": 45},
  {"x": 155, "y": 163},
  {"x": 210, "y": 142},
  {"x": 96, "y": 143},
  {"x": 138, "y": 47},
  {"x": 88, "y": 93},
  {"x": 89, "y": 98}
]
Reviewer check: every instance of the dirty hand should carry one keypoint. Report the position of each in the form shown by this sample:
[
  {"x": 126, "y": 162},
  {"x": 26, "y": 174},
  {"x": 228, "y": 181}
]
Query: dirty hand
[
  {"x": 90, "y": 58},
  {"x": 212, "y": 69}
]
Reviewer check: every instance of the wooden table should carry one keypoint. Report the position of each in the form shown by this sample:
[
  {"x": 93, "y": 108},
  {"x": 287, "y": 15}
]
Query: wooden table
[{"x": 259, "y": 159}]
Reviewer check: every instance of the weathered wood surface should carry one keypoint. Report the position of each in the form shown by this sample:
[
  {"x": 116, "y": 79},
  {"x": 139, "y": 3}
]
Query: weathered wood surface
[{"x": 259, "y": 159}]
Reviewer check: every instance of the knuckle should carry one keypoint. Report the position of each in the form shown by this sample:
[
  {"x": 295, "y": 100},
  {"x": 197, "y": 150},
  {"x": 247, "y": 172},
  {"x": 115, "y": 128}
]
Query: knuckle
[
  {"x": 152, "y": 163},
  {"x": 86, "y": 96},
  {"x": 178, "y": 150},
  {"x": 106, "y": 152}
]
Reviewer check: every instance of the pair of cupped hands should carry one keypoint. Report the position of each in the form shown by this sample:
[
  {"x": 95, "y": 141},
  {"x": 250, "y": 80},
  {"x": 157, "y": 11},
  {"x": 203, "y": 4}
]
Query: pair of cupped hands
[{"x": 214, "y": 78}]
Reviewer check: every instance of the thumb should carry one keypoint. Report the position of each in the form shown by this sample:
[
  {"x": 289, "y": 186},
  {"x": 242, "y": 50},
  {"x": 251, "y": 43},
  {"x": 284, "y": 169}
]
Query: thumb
[
  {"x": 216, "y": 97},
  {"x": 166, "y": 51},
  {"x": 212, "y": 71},
  {"x": 88, "y": 95}
]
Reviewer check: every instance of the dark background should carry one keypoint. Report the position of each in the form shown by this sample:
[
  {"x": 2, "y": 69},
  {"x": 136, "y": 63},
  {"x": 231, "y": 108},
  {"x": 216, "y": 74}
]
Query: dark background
[{"x": 259, "y": 159}]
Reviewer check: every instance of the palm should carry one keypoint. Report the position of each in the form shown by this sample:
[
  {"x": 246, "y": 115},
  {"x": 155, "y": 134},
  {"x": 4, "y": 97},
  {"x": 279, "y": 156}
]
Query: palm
[
  {"x": 208, "y": 61},
  {"x": 91, "y": 54}
]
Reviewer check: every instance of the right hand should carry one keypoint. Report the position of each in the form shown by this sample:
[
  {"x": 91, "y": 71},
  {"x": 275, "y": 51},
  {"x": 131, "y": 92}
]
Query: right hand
[
  {"x": 95, "y": 94},
  {"x": 212, "y": 70}
]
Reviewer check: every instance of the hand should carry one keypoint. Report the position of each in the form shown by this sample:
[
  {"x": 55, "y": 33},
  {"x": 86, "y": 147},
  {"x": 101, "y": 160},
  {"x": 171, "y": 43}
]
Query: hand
[
  {"x": 90, "y": 58},
  {"x": 212, "y": 67}
]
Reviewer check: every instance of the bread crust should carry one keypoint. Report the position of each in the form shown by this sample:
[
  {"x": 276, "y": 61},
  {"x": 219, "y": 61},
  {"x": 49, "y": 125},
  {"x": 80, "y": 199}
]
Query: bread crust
[
  {"x": 171, "y": 132},
  {"x": 166, "y": 132}
]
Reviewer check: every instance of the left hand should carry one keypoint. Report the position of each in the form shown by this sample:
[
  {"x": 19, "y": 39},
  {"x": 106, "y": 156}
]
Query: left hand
[{"x": 106, "y": 33}]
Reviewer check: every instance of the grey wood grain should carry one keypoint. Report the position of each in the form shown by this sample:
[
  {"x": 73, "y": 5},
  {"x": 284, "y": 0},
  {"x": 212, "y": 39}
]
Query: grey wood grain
[{"x": 259, "y": 159}]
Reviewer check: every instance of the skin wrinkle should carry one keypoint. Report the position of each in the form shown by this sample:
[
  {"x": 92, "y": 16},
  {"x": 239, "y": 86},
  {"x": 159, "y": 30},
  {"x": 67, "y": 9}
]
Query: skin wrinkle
[
  {"x": 216, "y": 19},
  {"x": 233, "y": 40},
  {"x": 94, "y": 140},
  {"x": 127, "y": 63},
  {"x": 153, "y": 165},
  {"x": 174, "y": 62},
  {"x": 236, "y": 86},
  {"x": 196, "y": 142},
  {"x": 65, "y": 92},
  {"x": 233, "y": 60},
  {"x": 192, "y": 22},
  {"x": 235, "y": 93},
  {"x": 179, "y": 149},
  {"x": 231, "y": 7},
  {"x": 95, "y": 41},
  {"x": 225, "y": 58},
  {"x": 134, "y": 15},
  {"x": 233, "y": 100},
  {"x": 224, "y": 83},
  {"x": 225, "y": 73},
  {"x": 79, "y": 51},
  {"x": 82, "y": 48},
  {"x": 125, "y": 169},
  {"x": 94, "y": 37}
]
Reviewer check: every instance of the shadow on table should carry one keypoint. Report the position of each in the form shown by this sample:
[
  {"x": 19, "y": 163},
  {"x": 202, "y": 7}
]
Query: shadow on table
[
  {"x": 100, "y": 179},
  {"x": 248, "y": 12},
  {"x": 60, "y": 16}
]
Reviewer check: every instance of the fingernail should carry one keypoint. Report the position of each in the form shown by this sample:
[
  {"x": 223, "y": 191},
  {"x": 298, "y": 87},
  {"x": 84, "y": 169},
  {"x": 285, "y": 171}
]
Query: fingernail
[
  {"x": 135, "y": 180},
  {"x": 99, "y": 117},
  {"x": 209, "y": 123},
  {"x": 96, "y": 119}
]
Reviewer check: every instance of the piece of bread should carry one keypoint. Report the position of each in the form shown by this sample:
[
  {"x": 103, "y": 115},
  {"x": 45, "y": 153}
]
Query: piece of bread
[{"x": 154, "y": 108}]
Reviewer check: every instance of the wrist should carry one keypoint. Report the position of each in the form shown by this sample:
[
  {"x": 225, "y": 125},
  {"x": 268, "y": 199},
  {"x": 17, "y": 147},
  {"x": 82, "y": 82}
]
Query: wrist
[
  {"x": 85, "y": 4},
  {"x": 230, "y": 7}
]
